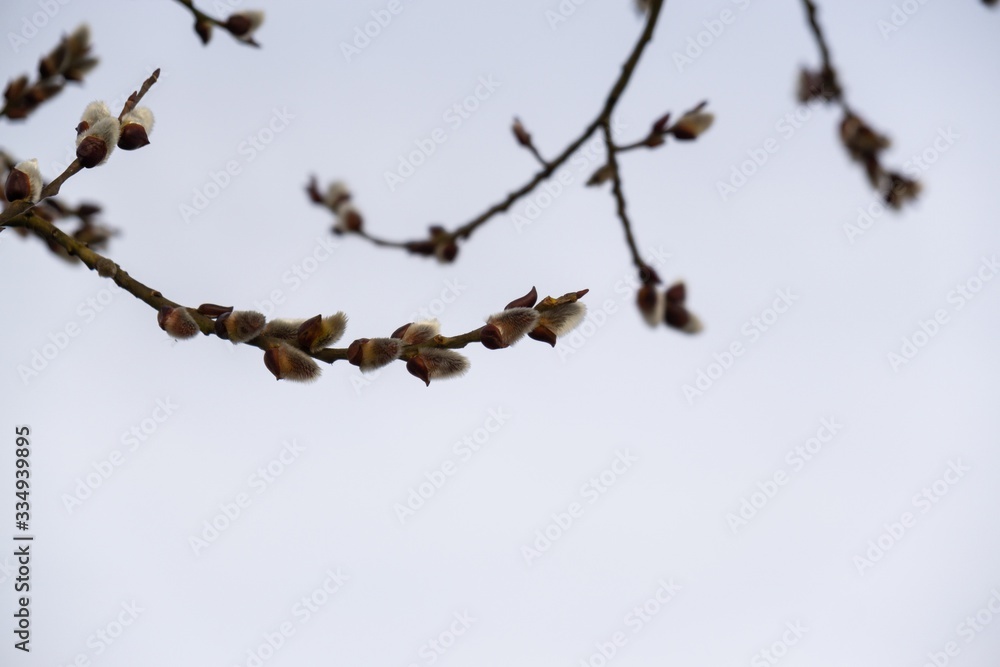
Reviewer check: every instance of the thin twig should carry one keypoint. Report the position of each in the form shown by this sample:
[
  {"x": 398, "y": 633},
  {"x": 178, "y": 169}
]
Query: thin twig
[{"x": 620, "y": 206}]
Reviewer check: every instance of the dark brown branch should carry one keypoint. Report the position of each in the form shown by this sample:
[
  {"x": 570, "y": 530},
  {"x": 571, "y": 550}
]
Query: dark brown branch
[
  {"x": 620, "y": 207},
  {"x": 465, "y": 230}
]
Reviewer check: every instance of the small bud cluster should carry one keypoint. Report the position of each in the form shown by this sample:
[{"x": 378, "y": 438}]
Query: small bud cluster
[
  {"x": 818, "y": 85},
  {"x": 295, "y": 340},
  {"x": 688, "y": 127},
  {"x": 523, "y": 138},
  {"x": 864, "y": 145},
  {"x": 337, "y": 199},
  {"x": 69, "y": 61},
  {"x": 241, "y": 25},
  {"x": 100, "y": 131},
  {"x": 666, "y": 307},
  {"x": 545, "y": 322}
]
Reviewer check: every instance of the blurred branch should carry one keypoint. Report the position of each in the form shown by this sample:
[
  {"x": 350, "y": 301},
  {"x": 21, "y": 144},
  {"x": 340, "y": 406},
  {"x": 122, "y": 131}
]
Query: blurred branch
[
  {"x": 69, "y": 61},
  {"x": 240, "y": 25},
  {"x": 863, "y": 143}
]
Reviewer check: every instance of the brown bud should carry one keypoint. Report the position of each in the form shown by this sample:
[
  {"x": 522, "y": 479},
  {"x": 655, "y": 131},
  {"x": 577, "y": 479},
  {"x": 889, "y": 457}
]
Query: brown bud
[
  {"x": 507, "y": 327},
  {"x": 287, "y": 363},
  {"x": 312, "y": 189},
  {"x": 677, "y": 293},
  {"x": 692, "y": 124},
  {"x": 91, "y": 151},
  {"x": 355, "y": 353},
  {"x": 87, "y": 210},
  {"x": 660, "y": 125},
  {"x": 526, "y": 301},
  {"x": 319, "y": 332},
  {"x": 401, "y": 331},
  {"x": 437, "y": 363},
  {"x": 418, "y": 368},
  {"x": 177, "y": 322},
  {"x": 82, "y": 127},
  {"x": 900, "y": 189},
  {"x": 369, "y": 354},
  {"x": 132, "y": 136},
  {"x": 491, "y": 338},
  {"x": 238, "y": 25},
  {"x": 603, "y": 174},
  {"x": 677, "y": 316},
  {"x": 543, "y": 334},
  {"x": 520, "y": 133},
  {"x": 204, "y": 31},
  {"x": 239, "y": 326},
  {"x": 18, "y": 185},
  {"x": 352, "y": 220},
  {"x": 446, "y": 252},
  {"x": 648, "y": 301},
  {"x": 418, "y": 333}
]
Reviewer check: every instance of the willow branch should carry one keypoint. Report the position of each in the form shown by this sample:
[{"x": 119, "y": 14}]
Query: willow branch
[{"x": 465, "y": 230}]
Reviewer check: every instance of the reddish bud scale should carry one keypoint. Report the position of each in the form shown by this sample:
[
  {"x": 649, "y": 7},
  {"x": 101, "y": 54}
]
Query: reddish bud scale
[
  {"x": 18, "y": 185},
  {"x": 91, "y": 152},
  {"x": 132, "y": 136}
]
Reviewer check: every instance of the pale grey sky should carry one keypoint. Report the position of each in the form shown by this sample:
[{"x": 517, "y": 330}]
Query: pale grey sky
[{"x": 525, "y": 432}]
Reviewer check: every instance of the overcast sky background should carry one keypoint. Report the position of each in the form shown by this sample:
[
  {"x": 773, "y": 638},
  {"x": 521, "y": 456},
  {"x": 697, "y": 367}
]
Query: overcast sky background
[{"x": 567, "y": 413}]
